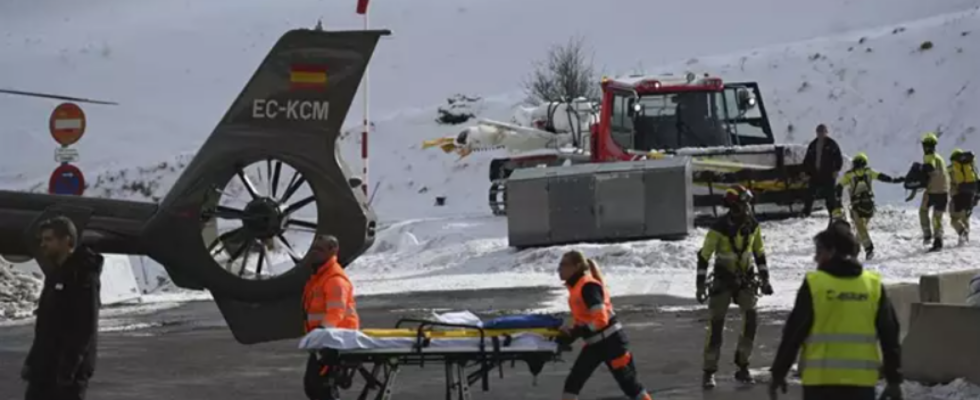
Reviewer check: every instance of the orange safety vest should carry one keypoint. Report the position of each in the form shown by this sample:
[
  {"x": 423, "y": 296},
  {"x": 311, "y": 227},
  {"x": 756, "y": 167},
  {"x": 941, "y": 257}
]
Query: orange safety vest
[
  {"x": 329, "y": 299},
  {"x": 598, "y": 318}
]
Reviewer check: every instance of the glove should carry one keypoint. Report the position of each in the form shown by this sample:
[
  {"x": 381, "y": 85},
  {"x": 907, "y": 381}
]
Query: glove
[
  {"x": 776, "y": 385},
  {"x": 65, "y": 375},
  {"x": 25, "y": 373},
  {"x": 564, "y": 339},
  {"x": 702, "y": 294},
  {"x": 766, "y": 288},
  {"x": 893, "y": 391}
]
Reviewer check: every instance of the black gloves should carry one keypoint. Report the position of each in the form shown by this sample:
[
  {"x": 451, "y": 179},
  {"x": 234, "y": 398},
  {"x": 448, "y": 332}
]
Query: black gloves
[
  {"x": 702, "y": 291},
  {"x": 564, "y": 340},
  {"x": 766, "y": 288}
]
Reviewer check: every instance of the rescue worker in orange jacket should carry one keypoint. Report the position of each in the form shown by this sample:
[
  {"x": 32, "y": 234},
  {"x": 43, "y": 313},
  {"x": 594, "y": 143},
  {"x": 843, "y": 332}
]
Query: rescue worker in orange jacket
[
  {"x": 329, "y": 303},
  {"x": 595, "y": 322}
]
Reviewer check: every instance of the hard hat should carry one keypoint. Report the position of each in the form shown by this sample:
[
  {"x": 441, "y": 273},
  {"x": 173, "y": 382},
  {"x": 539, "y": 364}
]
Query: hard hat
[
  {"x": 955, "y": 153},
  {"x": 737, "y": 194},
  {"x": 930, "y": 138},
  {"x": 860, "y": 160}
]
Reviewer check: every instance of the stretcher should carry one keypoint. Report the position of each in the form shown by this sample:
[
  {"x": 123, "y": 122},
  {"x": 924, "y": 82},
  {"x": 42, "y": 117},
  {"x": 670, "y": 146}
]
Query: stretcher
[{"x": 469, "y": 353}]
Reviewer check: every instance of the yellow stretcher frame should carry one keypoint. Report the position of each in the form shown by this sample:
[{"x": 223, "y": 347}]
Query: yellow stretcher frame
[
  {"x": 454, "y": 333},
  {"x": 384, "y": 367}
]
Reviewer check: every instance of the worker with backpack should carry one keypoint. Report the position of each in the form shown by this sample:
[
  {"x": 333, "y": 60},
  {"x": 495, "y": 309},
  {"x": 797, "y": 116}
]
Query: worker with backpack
[
  {"x": 935, "y": 180},
  {"x": 858, "y": 182},
  {"x": 963, "y": 188}
]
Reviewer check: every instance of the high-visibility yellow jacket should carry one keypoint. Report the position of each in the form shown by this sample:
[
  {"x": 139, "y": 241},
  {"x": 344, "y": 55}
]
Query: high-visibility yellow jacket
[
  {"x": 842, "y": 347},
  {"x": 938, "y": 175},
  {"x": 962, "y": 175},
  {"x": 824, "y": 313},
  {"x": 731, "y": 242}
]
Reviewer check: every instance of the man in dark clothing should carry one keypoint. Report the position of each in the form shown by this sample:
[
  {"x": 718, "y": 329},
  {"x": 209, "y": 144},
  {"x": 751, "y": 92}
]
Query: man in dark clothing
[
  {"x": 822, "y": 163},
  {"x": 62, "y": 357},
  {"x": 832, "y": 322}
]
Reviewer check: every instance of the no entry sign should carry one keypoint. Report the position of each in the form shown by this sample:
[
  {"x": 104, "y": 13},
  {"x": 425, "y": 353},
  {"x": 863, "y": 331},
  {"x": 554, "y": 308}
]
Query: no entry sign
[
  {"x": 67, "y": 123},
  {"x": 67, "y": 179}
]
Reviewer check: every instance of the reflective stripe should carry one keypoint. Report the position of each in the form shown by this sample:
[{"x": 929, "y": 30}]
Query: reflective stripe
[
  {"x": 315, "y": 317},
  {"x": 831, "y": 363},
  {"x": 702, "y": 272},
  {"x": 856, "y": 338},
  {"x": 842, "y": 346},
  {"x": 728, "y": 257},
  {"x": 597, "y": 307},
  {"x": 336, "y": 304},
  {"x": 762, "y": 267},
  {"x": 598, "y": 337}
]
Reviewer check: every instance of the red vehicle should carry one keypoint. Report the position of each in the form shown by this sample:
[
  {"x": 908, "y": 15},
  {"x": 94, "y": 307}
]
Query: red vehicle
[{"x": 723, "y": 126}]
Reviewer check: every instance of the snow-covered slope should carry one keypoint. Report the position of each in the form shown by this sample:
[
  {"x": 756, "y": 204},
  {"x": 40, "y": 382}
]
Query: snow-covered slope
[
  {"x": 877, "y": 89},
  {"x": 175, "y": 66}
]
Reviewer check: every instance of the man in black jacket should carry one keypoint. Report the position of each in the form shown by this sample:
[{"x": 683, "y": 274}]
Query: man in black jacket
[
  {"x": 822, "y": 163},
  {"x": 62, "y": 357},
  {"x": 841, "y": 318}
]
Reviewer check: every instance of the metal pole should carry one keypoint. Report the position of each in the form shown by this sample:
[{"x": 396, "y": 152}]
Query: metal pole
[{"x": 364, "y": 133}]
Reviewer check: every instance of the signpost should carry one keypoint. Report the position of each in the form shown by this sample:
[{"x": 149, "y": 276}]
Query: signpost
[
  {"x": 67, "y": 126},
  {"x": 67, "y": 179}
]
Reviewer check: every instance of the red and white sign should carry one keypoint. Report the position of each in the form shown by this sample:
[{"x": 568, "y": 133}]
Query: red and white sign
[{"x": 67, "y": 123}]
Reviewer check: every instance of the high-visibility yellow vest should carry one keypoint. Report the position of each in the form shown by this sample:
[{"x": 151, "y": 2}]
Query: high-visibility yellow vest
[{"x": 842, "y": 348}]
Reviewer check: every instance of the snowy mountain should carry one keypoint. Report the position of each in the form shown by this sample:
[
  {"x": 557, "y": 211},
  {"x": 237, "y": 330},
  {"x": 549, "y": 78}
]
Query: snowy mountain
[{"x": 174, "y": 67}]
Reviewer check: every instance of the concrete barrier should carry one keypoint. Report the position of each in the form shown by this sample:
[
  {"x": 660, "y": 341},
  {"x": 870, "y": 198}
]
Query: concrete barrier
[
  {"x": 942, "y": 344},
  {"x": 902, "y": 296},
  {"x": 947, "y": 287}
]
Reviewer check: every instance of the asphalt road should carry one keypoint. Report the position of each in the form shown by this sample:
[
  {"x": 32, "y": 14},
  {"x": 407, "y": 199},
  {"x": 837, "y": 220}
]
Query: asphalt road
[{"x": 188, "y": 353}]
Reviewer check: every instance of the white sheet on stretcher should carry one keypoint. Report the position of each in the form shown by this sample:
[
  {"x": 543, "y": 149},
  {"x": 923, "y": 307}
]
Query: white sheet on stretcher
[{"x": 348, "y": 340}]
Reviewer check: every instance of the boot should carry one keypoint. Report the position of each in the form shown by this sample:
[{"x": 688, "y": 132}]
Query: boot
[
  {"x": 926, "y": 239},
  {"x": 708, "y": 380},
  {"x": 869, "y": 253},
  {"x": 937, "y": 245},
  {"x": 743, "y": 375}
]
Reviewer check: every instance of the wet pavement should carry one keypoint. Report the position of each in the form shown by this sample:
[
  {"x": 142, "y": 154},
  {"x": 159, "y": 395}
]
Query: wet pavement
[{"x": 188, "y": 353}]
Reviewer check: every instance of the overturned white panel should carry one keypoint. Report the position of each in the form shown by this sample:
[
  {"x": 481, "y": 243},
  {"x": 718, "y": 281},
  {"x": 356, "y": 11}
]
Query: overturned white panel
[{"x": 118, "y": 281}]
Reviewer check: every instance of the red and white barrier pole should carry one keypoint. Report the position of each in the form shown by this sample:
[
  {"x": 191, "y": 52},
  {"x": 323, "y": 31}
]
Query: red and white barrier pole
[{"x": 362, "y": 9}]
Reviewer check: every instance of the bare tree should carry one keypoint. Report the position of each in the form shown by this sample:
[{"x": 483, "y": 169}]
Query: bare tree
[{"x": 567, "y": 73}]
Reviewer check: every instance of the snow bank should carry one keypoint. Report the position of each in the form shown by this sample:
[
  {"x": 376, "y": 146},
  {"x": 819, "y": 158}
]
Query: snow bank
[
  {"x": 956, "y": 390},
  {"x": 472, "y": 253},
  {"x": 19, "y": 293}
]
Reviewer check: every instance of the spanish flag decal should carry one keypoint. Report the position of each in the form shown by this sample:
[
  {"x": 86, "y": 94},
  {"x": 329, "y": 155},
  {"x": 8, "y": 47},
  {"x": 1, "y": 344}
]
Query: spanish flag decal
[{"x": 308, "y": 77}]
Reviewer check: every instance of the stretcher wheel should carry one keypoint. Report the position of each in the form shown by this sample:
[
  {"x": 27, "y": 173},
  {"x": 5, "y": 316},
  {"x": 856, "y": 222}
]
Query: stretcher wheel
[{"x": 260, "y": 225}]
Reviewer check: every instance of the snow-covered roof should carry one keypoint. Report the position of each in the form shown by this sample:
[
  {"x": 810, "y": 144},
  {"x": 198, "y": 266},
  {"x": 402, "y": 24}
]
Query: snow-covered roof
[{"x": 666, "y": 80}]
